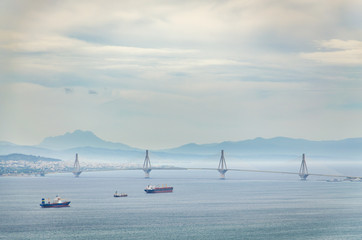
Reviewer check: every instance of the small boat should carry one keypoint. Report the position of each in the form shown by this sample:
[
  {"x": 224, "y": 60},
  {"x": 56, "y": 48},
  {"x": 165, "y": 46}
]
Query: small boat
[
  {"x": 157, "y": 189},
  {"x": 334, "y": 180},
  {"x": 57, "y": 202},
  {"x": 120, "y": 194}
]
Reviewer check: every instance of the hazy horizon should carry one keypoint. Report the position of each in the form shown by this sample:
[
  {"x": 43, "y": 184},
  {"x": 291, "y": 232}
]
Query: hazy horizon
[{"x": 159, "y": 149}]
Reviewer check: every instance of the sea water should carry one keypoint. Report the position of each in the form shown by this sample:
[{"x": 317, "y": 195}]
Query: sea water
[{"x": 201, "y": 207}]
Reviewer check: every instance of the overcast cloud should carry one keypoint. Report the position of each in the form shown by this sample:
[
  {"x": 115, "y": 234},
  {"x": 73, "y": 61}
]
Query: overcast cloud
[{"x": 158, "y": 74}]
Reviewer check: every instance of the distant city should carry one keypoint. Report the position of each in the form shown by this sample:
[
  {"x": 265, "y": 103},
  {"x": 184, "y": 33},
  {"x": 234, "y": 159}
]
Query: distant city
[{"x": 22, "y": 166}]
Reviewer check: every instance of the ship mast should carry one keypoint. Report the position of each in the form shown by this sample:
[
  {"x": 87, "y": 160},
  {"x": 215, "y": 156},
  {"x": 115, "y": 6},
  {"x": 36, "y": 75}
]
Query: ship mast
[{"x": 76, "y": 170}]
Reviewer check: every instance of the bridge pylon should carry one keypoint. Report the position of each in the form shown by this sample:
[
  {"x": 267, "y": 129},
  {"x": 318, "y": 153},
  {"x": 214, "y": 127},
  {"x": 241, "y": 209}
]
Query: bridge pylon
[
  {"x": 76, "y": 170},
  {"x": 147, "y": 166},
  {"x": 222, "y": 166},
  {"x": 303, "y": 170}
]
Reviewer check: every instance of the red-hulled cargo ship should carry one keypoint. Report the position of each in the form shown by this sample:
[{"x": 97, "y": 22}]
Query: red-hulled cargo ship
[
  {"x": 157, "y": 189},
  {"x": 57, "y": 202}
]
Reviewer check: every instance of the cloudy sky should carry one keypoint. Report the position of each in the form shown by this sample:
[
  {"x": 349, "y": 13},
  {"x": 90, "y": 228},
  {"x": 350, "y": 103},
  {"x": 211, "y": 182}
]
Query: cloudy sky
[{"x": 159, "y": 74}]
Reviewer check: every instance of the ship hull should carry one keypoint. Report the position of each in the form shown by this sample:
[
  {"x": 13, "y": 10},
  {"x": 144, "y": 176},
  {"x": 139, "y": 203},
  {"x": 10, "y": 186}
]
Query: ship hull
[
  {"x": 159, "y": 190},
  {"x": 120, "y": 195},
  {"x": 54, "y": 205}
]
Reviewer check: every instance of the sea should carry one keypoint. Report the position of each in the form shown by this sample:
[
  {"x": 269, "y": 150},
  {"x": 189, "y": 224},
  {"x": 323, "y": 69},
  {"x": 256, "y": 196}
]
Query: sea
[{"x": 202, "y": 206}]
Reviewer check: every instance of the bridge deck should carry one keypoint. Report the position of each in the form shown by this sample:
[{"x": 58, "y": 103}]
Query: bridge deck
[{"x": 250, "y": 170}]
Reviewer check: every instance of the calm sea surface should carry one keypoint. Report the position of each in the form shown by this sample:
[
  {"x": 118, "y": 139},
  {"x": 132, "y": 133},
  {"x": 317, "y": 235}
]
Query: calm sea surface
[{"x": 201, "y": 207}]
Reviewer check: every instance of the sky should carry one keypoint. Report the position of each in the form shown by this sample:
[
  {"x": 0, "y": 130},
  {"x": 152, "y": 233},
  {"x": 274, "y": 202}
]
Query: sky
[{"x": 160, "y": 74}]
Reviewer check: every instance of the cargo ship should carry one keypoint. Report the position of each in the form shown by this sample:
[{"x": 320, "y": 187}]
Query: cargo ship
[
  {"x": 120, "y": 194},
  {"x": 57, "y": 202},
  {"x": 157, "y": 189}
]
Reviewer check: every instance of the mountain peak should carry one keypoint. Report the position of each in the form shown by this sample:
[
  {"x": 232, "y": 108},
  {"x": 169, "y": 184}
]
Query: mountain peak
[
  {"x": 79, "y": 138},
  {"x": 80, "y": 134}
]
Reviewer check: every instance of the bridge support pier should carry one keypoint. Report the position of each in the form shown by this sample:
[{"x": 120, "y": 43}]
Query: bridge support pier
[
  {"x": 222, "y": 166},
  {"x": 147, "y": 173},
  {"x": 147, "y": 166}
]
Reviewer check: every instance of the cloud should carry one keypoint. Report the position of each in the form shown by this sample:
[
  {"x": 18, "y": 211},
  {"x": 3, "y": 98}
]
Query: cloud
[
  {"x": 191, "y": 38},
  {"x": 40, "y": 43},
  {"x": 188, "y": 70},
  {"x": 337, "y": 52},
  {"x": 341, "y": 44}
]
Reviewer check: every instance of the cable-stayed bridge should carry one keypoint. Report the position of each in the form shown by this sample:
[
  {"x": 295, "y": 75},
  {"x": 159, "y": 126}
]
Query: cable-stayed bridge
[{"x": 222, "y": 169}]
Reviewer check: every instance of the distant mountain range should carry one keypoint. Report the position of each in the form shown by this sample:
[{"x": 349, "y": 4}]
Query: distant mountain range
[
  {"x": 261, "y": 147},
  {"x": 91, "y": 147}
]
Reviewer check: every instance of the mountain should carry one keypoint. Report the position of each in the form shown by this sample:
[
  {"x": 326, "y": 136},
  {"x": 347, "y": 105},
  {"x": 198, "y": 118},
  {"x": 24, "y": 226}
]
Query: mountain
[
  {"x": 91, "y": 147},
  {"x": 6, "y": 144},
  {"x": 80, "y": 138},
  {"x": 261, "y": 148}
]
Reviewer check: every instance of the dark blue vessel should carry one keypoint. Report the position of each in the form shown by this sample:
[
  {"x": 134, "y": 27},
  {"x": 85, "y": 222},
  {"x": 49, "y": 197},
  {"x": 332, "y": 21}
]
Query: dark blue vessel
[{"x": 57, "y": 202}]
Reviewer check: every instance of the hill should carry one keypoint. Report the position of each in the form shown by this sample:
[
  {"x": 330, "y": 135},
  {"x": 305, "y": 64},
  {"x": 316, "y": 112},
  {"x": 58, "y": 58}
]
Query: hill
[{"x": 24, "y": 157}]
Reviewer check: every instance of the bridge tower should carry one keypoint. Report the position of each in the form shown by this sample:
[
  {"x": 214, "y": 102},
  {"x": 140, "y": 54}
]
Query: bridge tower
[
  {"x": 147, "y": 166},
  {"x": 222, "y": 166},
  {"x": 303, "y": 170},
  {"x": 76, "y": 170}
]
